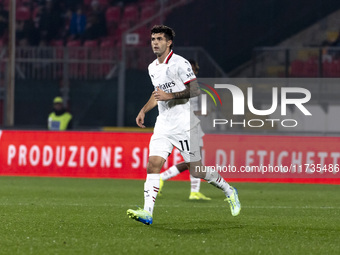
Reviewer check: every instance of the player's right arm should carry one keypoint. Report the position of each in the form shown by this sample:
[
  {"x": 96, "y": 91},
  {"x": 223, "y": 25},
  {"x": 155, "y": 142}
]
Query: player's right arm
[{"x": 147, "y": 107}]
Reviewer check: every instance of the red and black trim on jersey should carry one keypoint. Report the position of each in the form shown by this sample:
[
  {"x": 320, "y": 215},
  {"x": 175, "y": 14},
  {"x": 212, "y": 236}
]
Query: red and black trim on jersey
[
  {"x": 168, "y": 57},
  {"x": 190, "y": 81}
]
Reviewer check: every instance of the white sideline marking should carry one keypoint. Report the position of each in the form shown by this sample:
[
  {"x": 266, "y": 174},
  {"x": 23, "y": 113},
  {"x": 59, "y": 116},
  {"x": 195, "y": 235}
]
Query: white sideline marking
[
  {"x": 259, "y": 207},
  {"x": 176, "y": 206},
  {"x": 0, "y": 134}
]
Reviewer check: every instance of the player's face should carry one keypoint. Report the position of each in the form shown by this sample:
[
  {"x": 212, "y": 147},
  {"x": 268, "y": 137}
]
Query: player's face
[{"x": 160, "y": 45}]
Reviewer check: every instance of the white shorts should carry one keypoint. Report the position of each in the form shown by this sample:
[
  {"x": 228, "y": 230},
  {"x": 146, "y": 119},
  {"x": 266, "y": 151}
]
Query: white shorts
[
  {"x": 201, "y": 134},
  {"x": 187, "y": 143}
]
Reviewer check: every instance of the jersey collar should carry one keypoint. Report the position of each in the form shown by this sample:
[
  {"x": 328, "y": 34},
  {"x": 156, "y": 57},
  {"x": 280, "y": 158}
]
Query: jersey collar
[{"x": 166, "y": 61}]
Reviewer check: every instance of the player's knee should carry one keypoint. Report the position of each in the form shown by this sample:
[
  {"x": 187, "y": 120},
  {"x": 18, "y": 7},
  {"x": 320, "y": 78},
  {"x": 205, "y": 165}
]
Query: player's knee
[
  {"x": 154, "y": 165},
  {"x": 196, "y": 170},
  {"x": 151, "y": 168}
]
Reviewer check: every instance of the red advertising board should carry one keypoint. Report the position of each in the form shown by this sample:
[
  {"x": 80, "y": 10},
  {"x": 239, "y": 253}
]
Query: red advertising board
[
  {"x": 274, "y": 158},
  {"x": 124, "y": 155},
  {"x": 76, "y": 154}
]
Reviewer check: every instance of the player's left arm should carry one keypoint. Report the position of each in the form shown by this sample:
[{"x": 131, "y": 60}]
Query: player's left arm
[{"x": 191, "y": 90}]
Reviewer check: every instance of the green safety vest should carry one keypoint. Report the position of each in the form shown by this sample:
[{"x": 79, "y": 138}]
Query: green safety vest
[{"x": 58, "y": 122}]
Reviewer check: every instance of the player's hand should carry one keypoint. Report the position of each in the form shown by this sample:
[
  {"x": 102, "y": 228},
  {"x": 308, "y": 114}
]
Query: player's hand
[
  {"x": 161, "y": 95},
  {"x": 140, "y": 119}
]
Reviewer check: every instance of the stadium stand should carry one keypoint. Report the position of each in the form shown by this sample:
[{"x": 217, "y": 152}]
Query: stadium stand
[
  {"x": 232, "y": 25},
  {"x": 23, "y": 13},
  {"x": 119, "y": 16}
]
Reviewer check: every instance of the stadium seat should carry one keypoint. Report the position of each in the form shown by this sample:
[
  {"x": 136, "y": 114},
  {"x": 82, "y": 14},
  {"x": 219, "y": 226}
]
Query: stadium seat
[
  {"x": 296, "y": 68},
  {"x": 144, "y": 36},
  {"x": 5, "y": 3},
  {"x": 107, "y": 51},
  {"x": 147, "y": 12},
  {"x": 91, "y": 43},
  {"x": 131, "y": 14},
  {"x": 74, "y": 54},
  {"x": 119, "y": 32},
  {"x": 87, "y": 2},
  {"x": 106, "y": 43},
  {"x": 326, "y": 69},
  {"x": 310, "y": 68},
  {"x": 58, "y": 54},
  {"x": 113, "y": 15},
  {"x": 104, "y": 3},
  {"x": 57, "y": 43},
  {"x": 332, "y": 69},
  {"x": 73, "y": 43},
  {"x": 23, "y": 13},
  {"x": 91, "y": 51}
]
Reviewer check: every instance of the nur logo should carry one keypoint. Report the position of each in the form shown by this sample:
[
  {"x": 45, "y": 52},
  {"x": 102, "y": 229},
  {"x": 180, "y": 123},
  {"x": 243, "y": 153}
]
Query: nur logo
[
  {"x": 288, "y": 96},
  {"x": 204, "y": 97},
  {"x": 239, "y": 100}
]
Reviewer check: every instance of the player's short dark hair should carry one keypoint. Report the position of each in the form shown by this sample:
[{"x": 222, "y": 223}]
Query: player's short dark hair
[{"x": 168, "y": 32}]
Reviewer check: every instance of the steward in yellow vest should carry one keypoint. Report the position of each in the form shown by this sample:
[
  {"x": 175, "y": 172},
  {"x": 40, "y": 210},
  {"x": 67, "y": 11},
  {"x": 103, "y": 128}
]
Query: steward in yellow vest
[{"x": 59, "y": 119}]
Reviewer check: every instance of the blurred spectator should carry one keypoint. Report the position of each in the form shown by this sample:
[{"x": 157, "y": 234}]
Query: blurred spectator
[
  {"x": 37, "y": 15},
  {"x": 329, "y": 54},
  {"x": 67, "y": 16},
  {"x": 27, "y": 34},
  {"x": 3, "y": 20},
  {"x": 78, "y": 23},
  {"x": 93, "y": 29},
  {"x": 50, "y": 22},
  {"x": 99, "y": 13},
  {"x": 59, "y": 119}
]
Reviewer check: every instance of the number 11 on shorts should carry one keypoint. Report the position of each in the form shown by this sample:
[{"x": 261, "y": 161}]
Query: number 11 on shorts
[{"x": 186, "y": 144}]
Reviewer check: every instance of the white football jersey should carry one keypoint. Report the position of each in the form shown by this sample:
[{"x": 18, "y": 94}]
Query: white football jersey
[{"x": 174, "y": 115}]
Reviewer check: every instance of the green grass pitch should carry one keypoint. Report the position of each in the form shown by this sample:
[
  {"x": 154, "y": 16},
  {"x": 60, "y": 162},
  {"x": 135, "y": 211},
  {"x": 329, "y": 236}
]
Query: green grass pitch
[{"x": 88, "y": 216}]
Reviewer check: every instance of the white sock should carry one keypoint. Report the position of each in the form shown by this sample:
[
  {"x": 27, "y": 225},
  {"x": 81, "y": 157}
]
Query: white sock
[
  {"x": 195, "y": 184},
  {"x": 215, "y": 179},
  {"x": 151, "y": 187},
  {"x": 168, "y": 174}
]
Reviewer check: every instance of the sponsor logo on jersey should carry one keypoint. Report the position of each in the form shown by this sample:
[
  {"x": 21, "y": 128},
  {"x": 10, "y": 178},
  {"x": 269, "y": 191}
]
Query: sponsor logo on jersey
[
  {"x": 167, "y": 85},
  {"x": 191, "y": 74}
]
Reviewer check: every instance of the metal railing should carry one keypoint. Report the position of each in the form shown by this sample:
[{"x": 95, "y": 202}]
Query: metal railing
[
  {"x": 67, "y": 64},
  {"x": 296, "y": 62},
  {"x": 57, "y": 62},
  {"x": 83, "y": 63}
]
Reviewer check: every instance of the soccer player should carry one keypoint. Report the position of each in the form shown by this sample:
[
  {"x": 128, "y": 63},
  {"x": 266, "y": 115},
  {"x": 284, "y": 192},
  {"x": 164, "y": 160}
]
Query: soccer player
[
  {"x": 174, "y": 83},
  {"x": 173, "y": 171}
]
